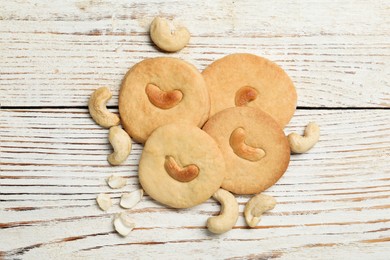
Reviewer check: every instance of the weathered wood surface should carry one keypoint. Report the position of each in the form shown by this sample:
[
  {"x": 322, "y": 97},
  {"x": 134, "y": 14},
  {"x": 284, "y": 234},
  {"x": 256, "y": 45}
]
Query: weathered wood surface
[
  {"x": 54, "y": 53},
  {"x": 333, "y": 202}
]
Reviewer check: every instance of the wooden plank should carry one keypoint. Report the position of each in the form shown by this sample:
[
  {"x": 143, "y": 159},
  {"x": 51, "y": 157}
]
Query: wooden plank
[
  {"x": 332, "y": 200},
  {"x": 56, "y": 54}
]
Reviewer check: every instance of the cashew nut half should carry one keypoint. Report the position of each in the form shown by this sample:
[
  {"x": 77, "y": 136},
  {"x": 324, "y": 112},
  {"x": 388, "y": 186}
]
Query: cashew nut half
[
  {"x": 121, "y": 143},
  {"x": 98, "y": 110},
  {"x": 256, "y": 206},
  {"x": 165, "y": 38},
  {"x": 182, "y": 174},
  {"x": 104, "y": 201},
  {"x": 123, "y": 223},
  {"x": 116, "y": 182},
  {"x": 302, "y": 144},
  {"x": 129, "y": 200},
  {"x": 237, "y": 142},
  {"x": 226, "y": 220}
]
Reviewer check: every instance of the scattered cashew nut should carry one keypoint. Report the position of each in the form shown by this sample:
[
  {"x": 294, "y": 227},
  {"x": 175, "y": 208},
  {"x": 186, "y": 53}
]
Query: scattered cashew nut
[
  {"x": 121, "y": 143},
  {"x": 163, "y": 99},
  {"x": 256, "y": 206},
  {"x": 104, "y": 201},
  {"x": 229, "y": 213},
  {"x": 302, "y": 144},
  {"x": 116, "y": 182},
  {"x": 129, "y": 200},
  {"x": 182, "y": 174},
  {"x": 123, "y": 223},
  {"x": 237, "y": 142},
  {"x": 165, "y": 38},
  {"x": 98, "y": 110},
  {"x": 245, "y": 95}
]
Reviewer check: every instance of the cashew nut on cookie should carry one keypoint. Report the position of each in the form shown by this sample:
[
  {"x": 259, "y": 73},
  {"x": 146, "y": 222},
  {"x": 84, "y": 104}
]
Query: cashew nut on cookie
[
  {"x": 182, "y": 174},
  {"x": 302, "y": 144},
  {"x": 98, "y": 110},
  {"x": 256, "y": 206},
  {"x": 165, "y": 38},
  {"x": 163, "y": 99},
  {"x": 121, "y": 143},
  {"x": 237, "y": 142},
  {"x": 245, "y": 95},
  {"x": 226, "y": 220}
]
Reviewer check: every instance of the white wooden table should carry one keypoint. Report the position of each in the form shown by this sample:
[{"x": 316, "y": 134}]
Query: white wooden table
[{"x": 333, "y": 202}]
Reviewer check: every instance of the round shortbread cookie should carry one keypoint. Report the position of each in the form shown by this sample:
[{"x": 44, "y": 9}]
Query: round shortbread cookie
[
  {"x": 181, "y": 166},
  {"x": 250, "y": 80},
  {"x": 159, "y": 91},
  {"x": 254, "y": 146}
]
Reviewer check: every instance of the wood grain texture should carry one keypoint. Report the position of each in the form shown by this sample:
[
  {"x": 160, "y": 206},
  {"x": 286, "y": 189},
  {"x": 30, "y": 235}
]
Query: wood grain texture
[
  {"x": 55, "y": 53},
  {"x": 332, "y": 200}
]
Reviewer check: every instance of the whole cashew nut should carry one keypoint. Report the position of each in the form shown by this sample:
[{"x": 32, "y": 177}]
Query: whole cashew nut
[
  {"x": 98, "y": 110},
  {"x": 229, "y": 213},
  {"x": 182, "y": 174},
  {"x": 237, "y": 142},
  {"x": 302, "y": 144},
  {"x": 121, "y": 143},
  {"x": 164, "y": 38},
  {"x": 163, "y": 99},
  {"x": 245, "y": 95},
  {"x": 256, "y": 206}
]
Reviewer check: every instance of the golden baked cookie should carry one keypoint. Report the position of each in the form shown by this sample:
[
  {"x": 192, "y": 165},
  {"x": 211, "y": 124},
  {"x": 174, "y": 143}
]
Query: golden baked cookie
[
  {"x": 159, "y": 91},
  {"x": 254, "y": 146},
  {"x": 181, "y": 166},
  {"x": 250, "y": 80}
]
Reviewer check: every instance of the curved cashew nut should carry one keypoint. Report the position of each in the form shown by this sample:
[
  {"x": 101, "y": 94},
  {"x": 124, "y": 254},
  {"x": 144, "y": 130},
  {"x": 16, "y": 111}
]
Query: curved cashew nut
[
  {"x": 121, "y": 143},
  {"x": 163, "y": 99},
  {"x": 229, "y": 213},
  {"x": 237, "y": 142},
  {"x": 98, "y": 110},
  {"x": 182, "y": 174},
  {"x": 245, "y": 95},
  {"x": 302, "y": 144},
  {"x": 164, "y": 38},
  {"x": 256, "y": 206}
]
